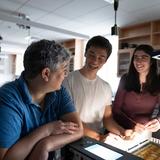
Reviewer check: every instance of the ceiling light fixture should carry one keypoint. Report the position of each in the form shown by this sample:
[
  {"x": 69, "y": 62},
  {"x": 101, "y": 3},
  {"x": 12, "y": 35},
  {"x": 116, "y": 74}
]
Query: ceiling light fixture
[
  {"x": 156, "y": 54},
  {"x": 21, "y": 25},
  {"x": 0, "y": 42},
  {"x": 114, "y": 29},
  {"x": 25, "y": 22}
]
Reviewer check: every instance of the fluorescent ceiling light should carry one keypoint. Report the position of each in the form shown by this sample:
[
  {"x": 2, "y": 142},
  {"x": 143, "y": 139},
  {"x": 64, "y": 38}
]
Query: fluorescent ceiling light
[
  {"x": 31, "y": 38},
  {"x": 156, "y": 57},
  {"x": 156, "y": 54},
  {"x": 110, "y": 1}
]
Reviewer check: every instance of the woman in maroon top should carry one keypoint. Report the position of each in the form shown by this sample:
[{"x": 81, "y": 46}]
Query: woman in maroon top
[{"x": 138, "y": 94}]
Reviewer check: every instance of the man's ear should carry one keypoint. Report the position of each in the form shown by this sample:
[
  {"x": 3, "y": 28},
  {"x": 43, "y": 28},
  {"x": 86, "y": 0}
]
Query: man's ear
[{"x": 46, "y": 74}]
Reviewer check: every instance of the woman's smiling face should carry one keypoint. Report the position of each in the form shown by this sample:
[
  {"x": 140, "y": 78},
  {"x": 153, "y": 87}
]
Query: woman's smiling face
[{"x": 142, "y": 62}]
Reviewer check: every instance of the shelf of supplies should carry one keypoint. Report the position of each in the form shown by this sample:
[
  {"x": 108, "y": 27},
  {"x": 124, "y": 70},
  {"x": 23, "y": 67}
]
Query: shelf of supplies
[
  {"x": 156, "y": 39},
  {"x": 135, "y": 36},
  {"x": 156, "y": 46},
  {"x": 156, "y": 33},
  {"x": 76, "y": 49},
  {"x": 135, "y": 30},
  {"x": 156, "y": 26},
  {"x": 125, "y": 50}
]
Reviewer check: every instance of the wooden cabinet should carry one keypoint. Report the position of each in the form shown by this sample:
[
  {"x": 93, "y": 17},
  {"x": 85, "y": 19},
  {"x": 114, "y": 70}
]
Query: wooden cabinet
[
  {"x": 7, "y": 67},
  {"x": 156, "y": 34},
  {"x": 7, "y": 63},
  {"x": 131, "y": 36},
  {"x": 124, "y": 57},
  {"x": 76, "y": 49}
]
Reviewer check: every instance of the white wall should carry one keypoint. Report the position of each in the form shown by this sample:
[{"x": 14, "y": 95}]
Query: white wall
[
  {"x": 19, "y": 64},
  {"x": 11, "y": 62},
  {"x": 109, "y": 70},
  {"x": 6, "y": 65}
]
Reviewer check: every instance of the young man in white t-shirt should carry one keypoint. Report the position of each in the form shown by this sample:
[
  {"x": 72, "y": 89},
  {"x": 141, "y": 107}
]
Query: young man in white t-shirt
[{"x": 92, "y": 95}]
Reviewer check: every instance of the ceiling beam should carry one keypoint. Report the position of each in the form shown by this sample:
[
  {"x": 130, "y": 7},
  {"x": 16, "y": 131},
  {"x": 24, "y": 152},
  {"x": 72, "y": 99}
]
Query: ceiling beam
[{"x": 25, "y": 22}]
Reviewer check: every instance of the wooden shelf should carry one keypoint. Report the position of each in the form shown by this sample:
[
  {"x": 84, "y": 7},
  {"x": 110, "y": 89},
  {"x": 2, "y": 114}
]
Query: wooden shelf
[
  {"x": 135, "y": 36},
  {"x": 156, "y": 46},
  {"x": 131, "y": 31},
  {"x": 124, "y": 56},
  {"x": 76, "y": 49},
  {"x": 156, "y": 26},
  {"x": 156, "y": 33}
]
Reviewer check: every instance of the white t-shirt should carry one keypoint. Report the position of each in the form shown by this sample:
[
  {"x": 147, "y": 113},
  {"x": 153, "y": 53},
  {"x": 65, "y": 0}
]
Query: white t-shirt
[{"x": 90, "y": 98}]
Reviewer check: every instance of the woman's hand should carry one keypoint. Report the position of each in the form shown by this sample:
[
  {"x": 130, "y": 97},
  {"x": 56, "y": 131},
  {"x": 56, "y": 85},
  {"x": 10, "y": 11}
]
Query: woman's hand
[
  {"x": 129, "y": 134},
  {"x": 139, "y": 127},
  {"x": 153, "y": 125}
]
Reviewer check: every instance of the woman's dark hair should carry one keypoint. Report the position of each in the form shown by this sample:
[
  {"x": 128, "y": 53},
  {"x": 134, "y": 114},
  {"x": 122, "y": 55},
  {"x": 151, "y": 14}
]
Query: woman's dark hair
[
  {"x": 131, "y": 79},
  {"x": 101, "y": 42}
]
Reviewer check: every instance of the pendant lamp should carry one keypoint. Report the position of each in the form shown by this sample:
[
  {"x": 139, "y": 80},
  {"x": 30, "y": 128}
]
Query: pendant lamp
[{"x": 114, "y": 29}]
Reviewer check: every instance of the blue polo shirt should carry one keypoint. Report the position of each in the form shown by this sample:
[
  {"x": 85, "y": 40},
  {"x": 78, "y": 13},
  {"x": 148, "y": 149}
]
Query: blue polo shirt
[{"x": 19, "y": 115}]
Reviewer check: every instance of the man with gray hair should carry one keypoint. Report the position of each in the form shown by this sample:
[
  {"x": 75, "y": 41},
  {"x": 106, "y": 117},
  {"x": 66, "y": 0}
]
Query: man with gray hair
[{"x": 37, "y": 115}]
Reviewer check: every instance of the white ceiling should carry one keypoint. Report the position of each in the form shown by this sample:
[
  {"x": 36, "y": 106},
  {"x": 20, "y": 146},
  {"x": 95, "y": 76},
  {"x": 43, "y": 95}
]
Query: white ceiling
[{"x": 66, "y": 19}]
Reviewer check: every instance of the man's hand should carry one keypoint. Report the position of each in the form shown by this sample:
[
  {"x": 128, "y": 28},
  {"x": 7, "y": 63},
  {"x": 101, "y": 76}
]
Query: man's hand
[
  {"x": 39, "y": 152},
  {"x": 44, "y": 146},
  {"x": 59, "y": 127},
  {"x": 102, "y": 137}
]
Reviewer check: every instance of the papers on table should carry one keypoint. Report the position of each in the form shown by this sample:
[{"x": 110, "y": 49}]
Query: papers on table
[{"x": 128, "y": 145}]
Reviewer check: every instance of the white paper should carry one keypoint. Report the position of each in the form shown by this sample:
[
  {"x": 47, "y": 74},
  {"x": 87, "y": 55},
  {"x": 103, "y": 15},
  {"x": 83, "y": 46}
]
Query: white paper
[{"x": 128, "y": 145}]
